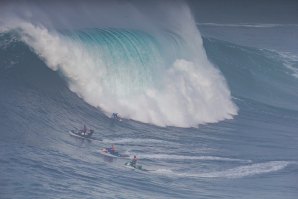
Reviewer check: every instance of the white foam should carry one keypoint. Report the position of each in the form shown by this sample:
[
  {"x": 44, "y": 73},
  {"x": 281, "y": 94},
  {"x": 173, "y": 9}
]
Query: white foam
[
  {"x": 289, "y": 60},
  {"x": 183, "y": 157},
  {"x": 167, "y": 172},
  {"x": 238, "y": 172},
  {"x": 249, "y": 170}
]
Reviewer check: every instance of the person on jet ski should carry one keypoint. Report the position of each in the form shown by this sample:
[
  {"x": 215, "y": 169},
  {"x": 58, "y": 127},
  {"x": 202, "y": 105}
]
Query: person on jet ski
[
  {"x": 133, "y": 162},
  {"x": 84, "y": 130},
  {"x": 111, "y": 150}
]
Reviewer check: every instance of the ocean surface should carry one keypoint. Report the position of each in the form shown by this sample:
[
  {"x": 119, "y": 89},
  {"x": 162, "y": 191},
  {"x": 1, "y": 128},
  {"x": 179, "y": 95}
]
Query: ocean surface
[{"x": 210, "y": 115}]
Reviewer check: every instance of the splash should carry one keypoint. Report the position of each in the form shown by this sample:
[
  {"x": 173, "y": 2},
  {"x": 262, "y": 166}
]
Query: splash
[
  {"x": 183, "y": 157},
  {"x": 238, "y": 172}
]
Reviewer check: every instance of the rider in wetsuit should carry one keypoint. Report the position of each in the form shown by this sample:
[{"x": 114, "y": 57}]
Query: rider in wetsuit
[
  {"x": 112, "y": 150},
  {"x": 84, "y": 130},
  {"x": 115, "y": 116},
  {"x": 133, "y": 162}
]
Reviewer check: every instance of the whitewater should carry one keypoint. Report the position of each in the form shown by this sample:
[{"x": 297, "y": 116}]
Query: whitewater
[{"x": 210, "y": 112}]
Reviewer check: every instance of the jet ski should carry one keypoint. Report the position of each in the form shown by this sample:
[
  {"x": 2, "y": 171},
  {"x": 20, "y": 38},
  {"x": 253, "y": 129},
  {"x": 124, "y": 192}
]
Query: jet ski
[
  {"x": 80, "y": 133},
  {"x": 114, "y": 154},
  {"x": 137, "y": 167}
]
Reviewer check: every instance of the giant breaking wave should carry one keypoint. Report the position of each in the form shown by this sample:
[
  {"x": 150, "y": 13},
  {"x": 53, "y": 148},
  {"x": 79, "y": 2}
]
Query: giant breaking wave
[{"x": 153, "y": 70}]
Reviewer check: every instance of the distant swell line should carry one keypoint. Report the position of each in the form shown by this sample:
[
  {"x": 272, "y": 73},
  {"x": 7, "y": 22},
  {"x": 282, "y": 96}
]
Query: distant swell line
[{"x": 248, "y": 25}]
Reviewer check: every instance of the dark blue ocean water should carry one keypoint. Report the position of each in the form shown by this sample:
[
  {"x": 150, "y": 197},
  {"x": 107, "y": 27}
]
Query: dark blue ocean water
[{"x": 253, "y": 155}]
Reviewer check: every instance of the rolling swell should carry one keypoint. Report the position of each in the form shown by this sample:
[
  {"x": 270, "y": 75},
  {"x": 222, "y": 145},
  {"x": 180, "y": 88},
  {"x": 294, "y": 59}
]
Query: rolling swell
[{"x": 259, "y": 75}]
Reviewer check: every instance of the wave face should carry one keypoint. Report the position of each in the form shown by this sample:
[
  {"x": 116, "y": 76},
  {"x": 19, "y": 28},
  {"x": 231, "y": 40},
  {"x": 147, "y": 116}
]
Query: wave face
[{"x": 159, "y": 75}]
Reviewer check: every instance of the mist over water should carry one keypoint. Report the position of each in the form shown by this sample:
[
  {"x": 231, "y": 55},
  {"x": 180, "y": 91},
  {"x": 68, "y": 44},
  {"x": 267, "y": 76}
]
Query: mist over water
[{"x": 154, "y": 70}]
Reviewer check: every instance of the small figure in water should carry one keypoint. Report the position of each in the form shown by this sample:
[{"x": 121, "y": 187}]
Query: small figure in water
[
  {"x": 115, "y": 116},
  {"x": 111, "y": 150},
  {"x": 133, "y": 162},
  {"x": 84, "y": 131}
]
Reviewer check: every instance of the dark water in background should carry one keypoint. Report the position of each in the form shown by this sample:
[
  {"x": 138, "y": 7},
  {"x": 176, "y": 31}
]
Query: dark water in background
[
  {"x": 253, "y": 155},
  {"x": 279, "y": 37}
]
